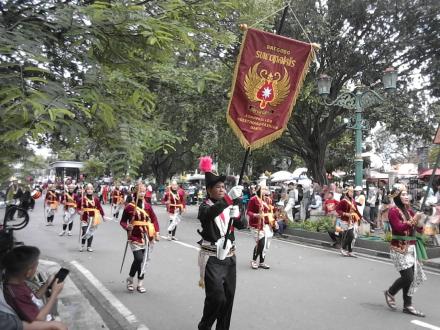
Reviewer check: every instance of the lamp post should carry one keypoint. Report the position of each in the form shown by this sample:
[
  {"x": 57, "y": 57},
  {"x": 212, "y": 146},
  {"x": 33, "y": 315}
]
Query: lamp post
[{"x": 358, "y": 100}]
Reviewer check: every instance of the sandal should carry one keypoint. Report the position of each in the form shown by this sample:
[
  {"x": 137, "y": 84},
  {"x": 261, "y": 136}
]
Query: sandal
[
  {"x": 130, "y": 286},
  {"x": 389, "y": 299},
  {"x": 411, "y": 310},
  {"x": 141, "y": 289}
]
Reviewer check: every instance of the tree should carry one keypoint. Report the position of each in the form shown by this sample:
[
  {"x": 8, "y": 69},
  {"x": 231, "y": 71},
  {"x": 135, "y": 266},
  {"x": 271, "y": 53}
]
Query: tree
[{"x": 358, "y": 40}]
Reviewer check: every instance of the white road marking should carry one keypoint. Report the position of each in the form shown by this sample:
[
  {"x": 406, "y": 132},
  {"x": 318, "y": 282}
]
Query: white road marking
[
  {"x": 425, "y": 325},
  {"x": 368, "y": 258},
  {"x": 47, "y": 262},
  {"x": 129, "y": 316},
  {"x": 182, "y": 243},
  {"x": 373, "y": 259}
]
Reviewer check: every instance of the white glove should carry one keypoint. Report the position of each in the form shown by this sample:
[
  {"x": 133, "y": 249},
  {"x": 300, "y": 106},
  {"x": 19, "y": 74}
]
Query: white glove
[
  {"x": 236, "y": 192},
  {"x": 234, "y": 211}
]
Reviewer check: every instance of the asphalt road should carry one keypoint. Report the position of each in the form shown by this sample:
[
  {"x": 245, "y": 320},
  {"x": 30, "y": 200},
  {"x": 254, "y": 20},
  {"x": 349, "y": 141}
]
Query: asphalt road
[{"x": 306, "y": 287}]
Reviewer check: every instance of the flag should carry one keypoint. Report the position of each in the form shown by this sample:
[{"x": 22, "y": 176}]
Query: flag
[{"x": 267, "y": 80}]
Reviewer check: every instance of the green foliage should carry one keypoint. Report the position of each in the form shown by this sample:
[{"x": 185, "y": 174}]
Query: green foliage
[
  {"x": 142, "y": 86},
  {"x": 320, "y": 224},
  {"x": 359, "y": 39},
  {"x": 93, "y": 168}
]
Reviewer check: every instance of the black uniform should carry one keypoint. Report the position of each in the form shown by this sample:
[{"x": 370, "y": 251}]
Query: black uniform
[{"x": 220, "y": 275}]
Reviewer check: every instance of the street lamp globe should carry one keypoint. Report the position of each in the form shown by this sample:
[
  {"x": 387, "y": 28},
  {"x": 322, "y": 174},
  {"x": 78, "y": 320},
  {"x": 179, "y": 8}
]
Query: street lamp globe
[
  {"x": 324, "y": 84},
  {"x": 389, "y": 79}
]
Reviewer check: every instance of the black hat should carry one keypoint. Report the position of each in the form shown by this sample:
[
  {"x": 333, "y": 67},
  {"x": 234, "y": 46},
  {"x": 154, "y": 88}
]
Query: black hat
[{"x": 211, "y": 177}]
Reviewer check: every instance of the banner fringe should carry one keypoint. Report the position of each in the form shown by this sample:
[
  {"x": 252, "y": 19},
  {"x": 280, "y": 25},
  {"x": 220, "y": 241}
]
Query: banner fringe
[{"x": 275, "y": 135}]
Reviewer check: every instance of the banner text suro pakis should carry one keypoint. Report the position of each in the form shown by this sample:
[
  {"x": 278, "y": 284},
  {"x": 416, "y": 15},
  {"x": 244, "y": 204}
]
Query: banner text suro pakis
[{"x": 267, "y": 80}]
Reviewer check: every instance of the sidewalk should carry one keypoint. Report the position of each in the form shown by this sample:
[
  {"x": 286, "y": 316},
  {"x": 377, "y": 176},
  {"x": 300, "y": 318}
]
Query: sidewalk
[
  {"x": 73, "y": 307},
  {"x": 323, "y": 240}
]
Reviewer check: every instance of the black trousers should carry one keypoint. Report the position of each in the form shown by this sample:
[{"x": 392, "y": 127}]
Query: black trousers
[
  {"x": 258, "y": 250},
  {"x": 50, "y": 219},
  {"x": 348, "y": 239},
  {"x": 70, "y": 226},
  {"x": 220, "y": 278},
  {"x": 89, "y": 240},
  {"x": 404, "y": 283},
  {"x": 335, "y": 238},
  {"x": 138, "y": 257}
]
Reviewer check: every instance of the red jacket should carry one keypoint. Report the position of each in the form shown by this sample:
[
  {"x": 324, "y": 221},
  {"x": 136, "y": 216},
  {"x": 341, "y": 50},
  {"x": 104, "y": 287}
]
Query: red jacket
[
  {"x": 70, "y": 200},
  {"x": 346, "y": 207},
  {"x": 117, "y": 196},
  {"x": 401, "y": 227},
  {"x": 85, "y": 203},
  {"x": 51, "y": 198},
  {"x": 130, "y": 216},
  {"x": 176, "y": 200},
  {"x": 255, "y": 206}
]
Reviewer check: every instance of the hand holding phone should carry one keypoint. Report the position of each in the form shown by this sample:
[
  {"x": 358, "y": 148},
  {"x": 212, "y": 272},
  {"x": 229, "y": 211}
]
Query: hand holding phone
[
  {"x": 56, "y": 285},
  {"x": 62, "y": 274}
]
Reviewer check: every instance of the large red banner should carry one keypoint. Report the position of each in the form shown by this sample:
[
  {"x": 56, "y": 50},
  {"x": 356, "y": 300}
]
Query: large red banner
[
  {"x": 267, "y": 80},
  {"x": 437, "y": 136}
]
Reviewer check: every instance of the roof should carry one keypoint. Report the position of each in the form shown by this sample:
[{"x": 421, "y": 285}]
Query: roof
[{"x": 66, "y": 163}]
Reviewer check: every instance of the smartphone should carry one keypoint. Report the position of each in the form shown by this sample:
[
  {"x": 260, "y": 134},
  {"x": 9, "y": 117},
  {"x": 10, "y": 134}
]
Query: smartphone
[{"x": 61, "y": 275}]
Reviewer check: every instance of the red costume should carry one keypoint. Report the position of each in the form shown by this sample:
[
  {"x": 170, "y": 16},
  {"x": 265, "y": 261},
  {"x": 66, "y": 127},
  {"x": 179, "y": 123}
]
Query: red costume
[
  {"x": 90, "y": 208},
  {"x": 70, "y": 200},
  {"x": 401, "y": 227},
  {"x": 117, "y": 196},
  {"x": 105, "y": 194},
  {"x": 144, "y": 221},
  {"x": 176, "y": 200},
  {"x": 259, "y": 206},
  {"x": 52, "y": 199},
  {"x": 348, "y": 211}
]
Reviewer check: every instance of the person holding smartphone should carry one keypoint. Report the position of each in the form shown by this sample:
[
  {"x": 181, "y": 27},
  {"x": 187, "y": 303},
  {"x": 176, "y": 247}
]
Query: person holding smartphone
[{"x": 20, "y": 264}]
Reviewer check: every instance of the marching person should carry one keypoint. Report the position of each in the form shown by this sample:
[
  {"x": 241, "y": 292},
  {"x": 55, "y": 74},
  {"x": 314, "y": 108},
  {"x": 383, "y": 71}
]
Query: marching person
[
  {"x": 406, "y": 250},
  {"x": 51, "y": 204},
  {"x": 117, "y": 199},
  {"x": 218, "y": 214},
  {"x": 261, "y": 218},
  {"x": 174, "y": 199},
  {"x": 70, "y": 203},
  {"x": 350, "y": 218},
  {"x": 91, "y": 212},
  {"x": 140, "y": 222},
  {"x": 105, "y": 189}
]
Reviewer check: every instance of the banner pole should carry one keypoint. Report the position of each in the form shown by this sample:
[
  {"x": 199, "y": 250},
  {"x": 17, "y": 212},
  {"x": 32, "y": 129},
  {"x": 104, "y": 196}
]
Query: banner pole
[
  {"x": 279, "y": 30},
  {"x": 283, "y": 18},
  {"x": 228, "y": 230},
  {"x": 243, "y": 166}
]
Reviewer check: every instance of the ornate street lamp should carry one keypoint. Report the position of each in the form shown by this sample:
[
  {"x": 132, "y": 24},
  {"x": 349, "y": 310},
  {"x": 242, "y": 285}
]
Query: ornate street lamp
[
  {"x": 361, "y": 98},
  {"x": 324, "y": 85},
  {"x": 389, "y": 79}
]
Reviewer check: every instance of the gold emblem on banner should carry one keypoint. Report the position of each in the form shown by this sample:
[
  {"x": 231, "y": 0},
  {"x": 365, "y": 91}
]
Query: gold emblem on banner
[{"x": 266, "y": 87}]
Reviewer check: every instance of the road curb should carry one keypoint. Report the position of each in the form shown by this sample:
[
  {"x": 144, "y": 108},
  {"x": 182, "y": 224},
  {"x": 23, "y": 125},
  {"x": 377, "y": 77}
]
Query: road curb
[
  {"x": 434, "y": 266},
  {"x": 111, "y": 317}
]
